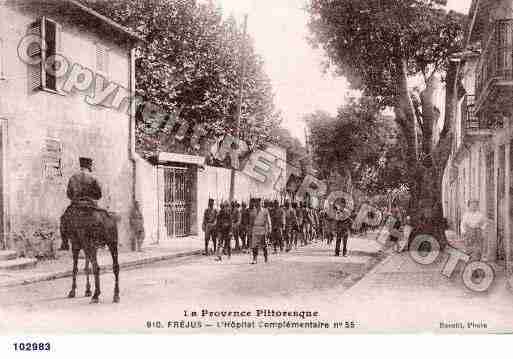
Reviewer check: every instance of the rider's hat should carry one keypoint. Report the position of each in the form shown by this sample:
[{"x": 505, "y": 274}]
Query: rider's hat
[{"x": 86, "y": 163}]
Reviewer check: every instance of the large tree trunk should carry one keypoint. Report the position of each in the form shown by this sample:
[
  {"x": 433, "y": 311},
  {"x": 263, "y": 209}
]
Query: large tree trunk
[
  {"x": 426, "y": 173},
  {"x": 430, "y": 218},
  {"x": 406, "y": 119},
  {"x": 429, "y": 114},
  {"x": 405, "y": 111}
]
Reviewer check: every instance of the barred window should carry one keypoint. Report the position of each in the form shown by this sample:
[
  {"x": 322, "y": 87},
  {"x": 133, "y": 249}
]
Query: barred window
[{"x": 102, "y": 59}]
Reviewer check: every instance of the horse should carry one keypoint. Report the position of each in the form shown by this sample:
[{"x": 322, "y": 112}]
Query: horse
[{"x": 87, "y": 229}]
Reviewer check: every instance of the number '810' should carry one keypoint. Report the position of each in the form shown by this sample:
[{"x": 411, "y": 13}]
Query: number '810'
[{"x": 31, "y": 347}]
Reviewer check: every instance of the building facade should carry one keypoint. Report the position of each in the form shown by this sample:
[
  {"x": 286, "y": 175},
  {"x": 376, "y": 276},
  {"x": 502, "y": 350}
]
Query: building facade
[
  {"x": 175, "y": 188},
  {"x": 50, "y": 113},
  {"x": 480, "y": 164}
]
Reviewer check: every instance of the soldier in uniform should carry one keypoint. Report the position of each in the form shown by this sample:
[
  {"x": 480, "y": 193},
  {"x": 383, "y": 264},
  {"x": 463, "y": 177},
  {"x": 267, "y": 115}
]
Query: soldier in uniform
[
  {"x": 300, "y": 222},
  {"x": 290, "y": 234},
  {"x": 244, "y": 226},
  {"x": 83, "y": 191},
  {"x": 277, "y": 225},
  {"x": 224, "y": 231},
  {"x": 314, "y": 231},
  {"x": 323, "y": 224},
  {"x": 236, "y": 220},
  {"x": 330, "y": 229},
  {"x": 260, "y": 225},
  {"x": 209, "y": 225},
  {"x": 307, "y": 223},
  {"x": 137, "y": 225},
  {"x": 342, "y": 224},
  {"x": 268, "y": 206}
]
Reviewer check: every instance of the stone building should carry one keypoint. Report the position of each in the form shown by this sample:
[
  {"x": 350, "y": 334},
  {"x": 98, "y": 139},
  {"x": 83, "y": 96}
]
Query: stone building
[
  {"x": 66, "y": 76},
  {"x": 480, "y": 165}
]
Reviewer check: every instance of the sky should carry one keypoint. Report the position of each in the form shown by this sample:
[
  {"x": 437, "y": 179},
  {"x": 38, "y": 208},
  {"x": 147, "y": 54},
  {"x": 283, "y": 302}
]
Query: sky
[{"x": 279, "y": 30}]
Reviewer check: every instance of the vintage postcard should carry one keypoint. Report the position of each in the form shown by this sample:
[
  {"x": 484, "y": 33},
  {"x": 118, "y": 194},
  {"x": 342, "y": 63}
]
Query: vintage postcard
[{"x": 257, "y": 167}]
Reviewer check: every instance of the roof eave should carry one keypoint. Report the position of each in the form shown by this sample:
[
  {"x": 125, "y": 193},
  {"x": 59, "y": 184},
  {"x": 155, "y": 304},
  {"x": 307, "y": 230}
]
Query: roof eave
[{"x": 131, "y": 34}]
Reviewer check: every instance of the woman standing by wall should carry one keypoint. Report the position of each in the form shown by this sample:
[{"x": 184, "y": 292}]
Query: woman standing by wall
[{"x": 473, "y": 224}]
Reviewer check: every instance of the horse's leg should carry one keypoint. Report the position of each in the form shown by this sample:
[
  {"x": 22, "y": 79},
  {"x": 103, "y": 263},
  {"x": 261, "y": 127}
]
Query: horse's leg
[
  {"x": 91, "y": 254},
  {"x": 88, "y": 292},
  {"x": 113, "y": 248},
  {"x": 72, "y": 293}
]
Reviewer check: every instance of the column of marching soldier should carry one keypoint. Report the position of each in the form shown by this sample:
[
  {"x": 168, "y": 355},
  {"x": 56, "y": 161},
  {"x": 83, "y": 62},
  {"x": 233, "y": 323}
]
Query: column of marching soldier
[{"x": 265, "y": 224}]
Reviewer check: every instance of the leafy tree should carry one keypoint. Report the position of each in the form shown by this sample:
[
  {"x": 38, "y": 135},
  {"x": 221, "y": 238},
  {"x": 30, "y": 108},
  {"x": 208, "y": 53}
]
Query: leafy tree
[
  {"x": 379, "y": 45},
  {"x": 190, "y": 62},
  {"x": 296, "y": 151},
  {"x": 359, "y": 143}
]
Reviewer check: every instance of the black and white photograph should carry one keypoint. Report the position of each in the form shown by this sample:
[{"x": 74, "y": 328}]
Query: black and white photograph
[{"x": 255, "y": 167}]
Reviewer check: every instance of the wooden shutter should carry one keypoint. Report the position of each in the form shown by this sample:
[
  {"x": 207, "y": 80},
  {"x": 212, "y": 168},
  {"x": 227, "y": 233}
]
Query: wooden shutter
[
  {"x": 49, "y": 31},
  {"x": 52, "y": 36},
  {"x": 35, "y": 72}
]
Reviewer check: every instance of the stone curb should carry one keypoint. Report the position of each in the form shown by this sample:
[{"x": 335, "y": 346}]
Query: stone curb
[
  {"x": 103, "y": 268},
  {"x": 387, "y": 257}
]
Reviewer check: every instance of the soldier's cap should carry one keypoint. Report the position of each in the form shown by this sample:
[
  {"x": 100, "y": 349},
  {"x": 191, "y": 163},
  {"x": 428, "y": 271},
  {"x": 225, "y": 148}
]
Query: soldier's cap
[
  {"x": 85, "y": 162},
  {"x": 210, "y": 200}
]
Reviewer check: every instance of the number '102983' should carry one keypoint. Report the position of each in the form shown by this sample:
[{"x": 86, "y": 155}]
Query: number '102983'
[{"x": 32, "y": 347}]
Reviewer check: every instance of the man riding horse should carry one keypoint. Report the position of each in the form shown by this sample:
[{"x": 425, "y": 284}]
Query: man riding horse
[
  {"x": 83, "y": 190},
  {"x": 88, "y": 227}
]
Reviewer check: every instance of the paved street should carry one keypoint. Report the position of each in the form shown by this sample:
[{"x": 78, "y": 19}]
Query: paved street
[
  {"x": 306, "y": 279},
  {"x": 395, "y": 295}
]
